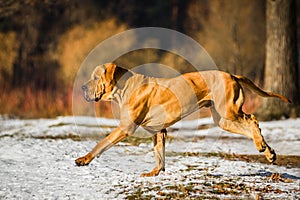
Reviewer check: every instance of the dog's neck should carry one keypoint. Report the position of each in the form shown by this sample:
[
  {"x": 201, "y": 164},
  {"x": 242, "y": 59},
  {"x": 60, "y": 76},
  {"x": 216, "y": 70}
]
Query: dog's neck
[{"x": 121, "y": 95}]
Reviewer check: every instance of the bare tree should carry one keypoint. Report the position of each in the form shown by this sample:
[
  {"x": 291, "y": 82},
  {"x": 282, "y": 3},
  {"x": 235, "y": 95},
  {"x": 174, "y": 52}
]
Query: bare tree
[{"x": 281, "y": 70}]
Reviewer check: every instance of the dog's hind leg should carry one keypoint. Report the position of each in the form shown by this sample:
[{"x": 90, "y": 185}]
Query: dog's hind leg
[
  {"x": 159, "y": 153},
  {"x": 246, "y": 125}
]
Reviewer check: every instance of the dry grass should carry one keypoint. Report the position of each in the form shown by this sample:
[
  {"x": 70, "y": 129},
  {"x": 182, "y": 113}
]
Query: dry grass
[
  {"x": 30, "y": 103},
  {"x": 49, "y": 103}
]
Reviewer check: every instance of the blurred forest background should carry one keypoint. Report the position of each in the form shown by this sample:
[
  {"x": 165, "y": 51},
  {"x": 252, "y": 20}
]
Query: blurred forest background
[{"x": 44, "y": 42}]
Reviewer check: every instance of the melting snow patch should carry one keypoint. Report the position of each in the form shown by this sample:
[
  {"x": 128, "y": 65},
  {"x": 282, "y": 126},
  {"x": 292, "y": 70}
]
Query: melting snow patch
[{"x": 44, "y": 168}]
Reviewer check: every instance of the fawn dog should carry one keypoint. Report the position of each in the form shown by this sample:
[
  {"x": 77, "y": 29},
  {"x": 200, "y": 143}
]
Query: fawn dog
[{"x": 157, "y": 103}]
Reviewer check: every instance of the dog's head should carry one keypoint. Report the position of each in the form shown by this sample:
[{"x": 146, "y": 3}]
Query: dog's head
[{"x": 104, "y": 80}]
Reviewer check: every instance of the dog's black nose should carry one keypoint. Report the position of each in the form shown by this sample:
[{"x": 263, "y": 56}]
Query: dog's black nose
[{"x": 84, "y": 87}]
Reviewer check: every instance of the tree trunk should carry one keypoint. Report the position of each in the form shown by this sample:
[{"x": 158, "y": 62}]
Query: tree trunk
[{"x": 281, "y": 70}]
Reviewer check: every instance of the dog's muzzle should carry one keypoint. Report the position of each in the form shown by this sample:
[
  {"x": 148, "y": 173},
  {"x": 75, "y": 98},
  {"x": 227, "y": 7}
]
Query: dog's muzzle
[
  {"x": 85, "y": 93},
  {"x": 87, "y": 97}
]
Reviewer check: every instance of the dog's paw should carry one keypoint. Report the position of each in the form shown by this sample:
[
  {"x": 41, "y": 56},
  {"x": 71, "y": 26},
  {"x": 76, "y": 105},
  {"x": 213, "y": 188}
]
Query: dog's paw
[
  {"x": 85, "y": 160},
  {"x": 154, "y": 172},
  {"x": 270, "y": 155},
  {"x": 81, "y": 161},
  {"x": 149, "y": 174}
]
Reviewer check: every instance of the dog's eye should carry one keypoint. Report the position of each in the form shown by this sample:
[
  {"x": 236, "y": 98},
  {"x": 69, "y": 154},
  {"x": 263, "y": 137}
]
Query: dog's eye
[{"x": 96, "y": 78}]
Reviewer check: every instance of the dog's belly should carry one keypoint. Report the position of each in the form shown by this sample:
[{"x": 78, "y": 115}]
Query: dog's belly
[
  {"x": 158, "y": 118},
  {"x": 162, "y": 116}
]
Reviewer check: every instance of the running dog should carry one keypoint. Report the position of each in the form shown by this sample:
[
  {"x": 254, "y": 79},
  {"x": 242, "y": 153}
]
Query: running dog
[{"x": 157, "y": 103}]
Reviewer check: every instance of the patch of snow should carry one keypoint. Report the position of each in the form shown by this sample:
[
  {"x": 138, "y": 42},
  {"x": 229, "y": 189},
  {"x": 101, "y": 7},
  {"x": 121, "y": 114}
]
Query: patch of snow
[
  {"x": 44, "y": 168},
  {"x": 192, "y": 124}
]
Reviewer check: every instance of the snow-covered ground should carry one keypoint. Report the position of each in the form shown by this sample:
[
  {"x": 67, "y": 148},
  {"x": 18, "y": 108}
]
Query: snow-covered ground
[{"x": 37, "y": 162}]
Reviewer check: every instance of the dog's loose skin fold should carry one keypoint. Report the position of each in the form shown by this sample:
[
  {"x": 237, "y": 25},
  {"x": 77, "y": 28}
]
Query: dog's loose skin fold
[{"x": 157, "y": 103}]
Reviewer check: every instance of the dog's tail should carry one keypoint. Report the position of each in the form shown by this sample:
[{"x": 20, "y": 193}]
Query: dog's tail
[{"x": 249, "y": 84}]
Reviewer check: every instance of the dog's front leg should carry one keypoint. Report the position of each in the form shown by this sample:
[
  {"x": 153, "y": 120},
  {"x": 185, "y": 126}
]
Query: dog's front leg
[
  {"x": 159, "y": 153},
  {"x": 116, "y": 136}
]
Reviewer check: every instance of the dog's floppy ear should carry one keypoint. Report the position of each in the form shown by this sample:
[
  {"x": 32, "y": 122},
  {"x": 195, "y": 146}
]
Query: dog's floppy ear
[
  {"x": 109, "y": 72},
  {"x": 117, "y": 75}
]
